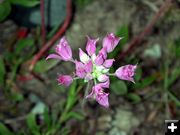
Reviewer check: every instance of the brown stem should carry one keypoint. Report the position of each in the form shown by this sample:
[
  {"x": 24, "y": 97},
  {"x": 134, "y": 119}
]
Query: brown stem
[
  {"x": 55, "y": 37},
  {"x": 43, "y": 27},
  {"x": 138, "y": 39}
]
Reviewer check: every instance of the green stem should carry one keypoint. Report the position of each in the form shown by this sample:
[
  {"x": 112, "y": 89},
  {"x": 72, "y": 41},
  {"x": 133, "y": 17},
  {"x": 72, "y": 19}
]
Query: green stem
[
  {"x": 166, "y": 89},
  {"x": 95, "y": 82},
  {"x": 85, "y": 94},
  {"x": 111, "y": 74}
]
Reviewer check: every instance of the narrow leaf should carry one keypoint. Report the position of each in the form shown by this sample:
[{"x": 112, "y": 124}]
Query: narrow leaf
[
  {"x": 32, "y": 125},
  {"x": 26, "y": 3},
  {"x": 4, "y": 130},
  {"x": 134, "y": 97},
  {"x": 2, "y": 72},
  {"x": 119, "y": 87},
  {"x": 5, "y": 9}
]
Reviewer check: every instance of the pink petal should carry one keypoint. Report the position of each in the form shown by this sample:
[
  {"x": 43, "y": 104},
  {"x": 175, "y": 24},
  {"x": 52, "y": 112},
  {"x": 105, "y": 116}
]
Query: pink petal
[
  {"x": 99, "y": 59},
  {"x": 88, "y": 66},
  {"x": 103, "y": 78},
  {"x": 104, "y": 84},
  {"x": 91, "y": 46},
  {"x": 80, "y": 69},
  {"x": 83, "y": 56},
  {"x": 88, "y": 77},
  {"x": 53, "y": 56},
  {"x": 64, "y": 49},
  {"x": 108, "y": 63},
  {"x": 100, "y": 96},
  {"x": 102, "y": 55},
  {"x": 103, "y": 100},
  {"x": 103, "y": 52},
  {"x": 91, "y": 95}
]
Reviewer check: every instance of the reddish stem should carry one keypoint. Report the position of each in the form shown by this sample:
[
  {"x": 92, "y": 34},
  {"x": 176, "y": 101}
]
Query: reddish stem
[
  {"x": 30, "y": 76},
  {"x": 55, "y": 37},
  {"x": 43, "y": 27},
  {"x": 24, "y": 78},
  {"x": 138, "y": 39}
]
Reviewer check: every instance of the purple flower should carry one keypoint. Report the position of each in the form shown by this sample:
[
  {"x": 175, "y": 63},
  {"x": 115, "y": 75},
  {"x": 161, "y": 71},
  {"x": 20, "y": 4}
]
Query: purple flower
[
  {"x": 93, "y": 67},
  {"x": 65, "y": 80},
  {"x": 110, "y": 42},
  {"x": 91, "y": 46},
  {"x": 102, "y": 99},
  {"x": 126, "y": 72},
  {"x": 100, "y": 96},
  {"x": 63, "y": 51}
]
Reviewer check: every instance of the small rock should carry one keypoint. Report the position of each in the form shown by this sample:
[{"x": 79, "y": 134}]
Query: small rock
[
  {"x": 116, "y": 131},
  {"x": 104, "y": 122},
  {"x": 125, "y": 120}
]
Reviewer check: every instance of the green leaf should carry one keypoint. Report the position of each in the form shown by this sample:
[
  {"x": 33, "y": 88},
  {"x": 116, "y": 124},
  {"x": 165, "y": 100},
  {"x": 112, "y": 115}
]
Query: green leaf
[
  {"x": 22, "y": 44},
  {"x": 65, "y": 131},
  {"x": 72, "y": 96},
  {"x": 2, "y": 72},
  {"x": 5, "y": 9},
  {"x": 174, "y": 76},
  {"x": 145, "y": 82},
  {"x": 17, "y": 97},
  {"x": 174, "y": 98},
  {"x": 82, "y": 3},
  {"x": 119, "y": 87},
  {"x": 4, "y": 130},
  {"x": 138, "y": 74},
  {"x": 176, "y": 48},
  {"x": 124, "y": 33},
  {"x": 15, "y": 68},
  {"x": 9, "y": 56},
  {"x": 134, "y": 97},
  {"x": 32, "y": 125},
  {"x": 42, "y": 66},
  {"x": 75, "y": 115},
  {"x": 26, "y": 3},
  {"x": 47, "y": 117}
]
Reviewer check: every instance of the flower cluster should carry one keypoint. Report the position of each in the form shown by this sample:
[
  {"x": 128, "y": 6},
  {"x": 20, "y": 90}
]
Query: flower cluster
[{"x": 93, "y": 67}]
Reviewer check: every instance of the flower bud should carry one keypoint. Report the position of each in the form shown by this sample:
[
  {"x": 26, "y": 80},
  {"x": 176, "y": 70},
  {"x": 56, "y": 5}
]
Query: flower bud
[
  {"x": 64, "y": 50},
  {"x": 126, "y": 72},
  {"x": 91, "y": 46},
  {"x": 110, "y": 42},
  {"x": 65, "y": 80}
]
